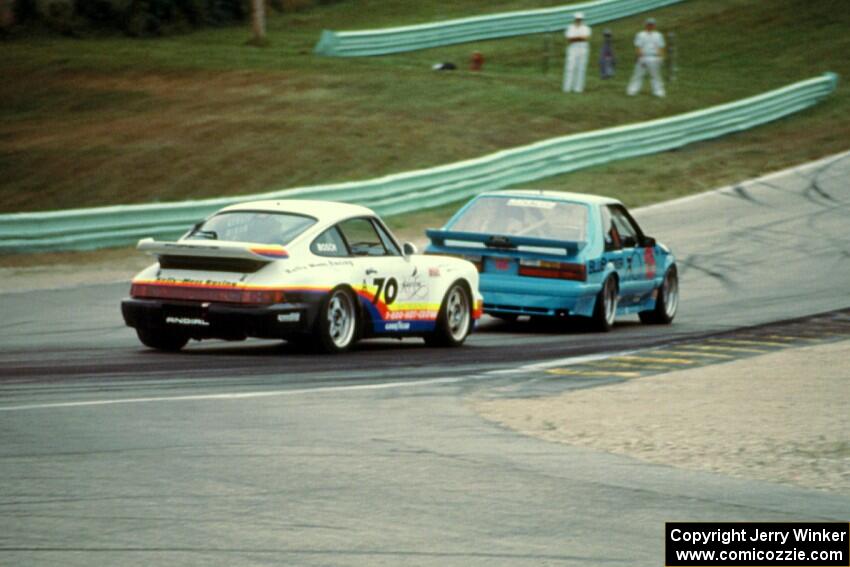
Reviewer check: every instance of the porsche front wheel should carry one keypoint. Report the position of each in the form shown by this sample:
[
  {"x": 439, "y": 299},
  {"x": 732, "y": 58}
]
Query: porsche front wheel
[{"x": 454, "y": 321}]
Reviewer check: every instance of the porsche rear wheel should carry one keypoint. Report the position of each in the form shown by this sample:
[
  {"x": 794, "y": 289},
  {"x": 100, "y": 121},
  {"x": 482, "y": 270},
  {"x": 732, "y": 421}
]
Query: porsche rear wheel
[
  {"x": 605, "y": 310},
  {"x": 667, "y": 302},
  {"x": 454, "y": 321},
  {"x": 336, "y": 327},
  {"x": 162, "y": 339}
]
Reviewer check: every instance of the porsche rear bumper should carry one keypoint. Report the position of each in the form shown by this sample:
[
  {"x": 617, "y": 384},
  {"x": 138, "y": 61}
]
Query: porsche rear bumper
[{"x": 219, "y": 320}]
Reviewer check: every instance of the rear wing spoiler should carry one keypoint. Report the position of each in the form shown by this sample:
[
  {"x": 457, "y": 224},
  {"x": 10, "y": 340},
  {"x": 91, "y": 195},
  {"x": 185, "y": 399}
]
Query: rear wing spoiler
[
  {"x": 214, "y": 249},
  {"x": 439, "y": 238}
]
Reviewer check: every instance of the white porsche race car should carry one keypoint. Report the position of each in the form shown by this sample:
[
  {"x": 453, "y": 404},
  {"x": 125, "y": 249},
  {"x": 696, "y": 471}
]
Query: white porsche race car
[{"x": 320, "y": 273}]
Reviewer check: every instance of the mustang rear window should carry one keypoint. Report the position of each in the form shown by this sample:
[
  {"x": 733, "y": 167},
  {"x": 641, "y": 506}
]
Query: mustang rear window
[
  {"x": 525, "y": 216},
  {"x": 252, "y": 226}
]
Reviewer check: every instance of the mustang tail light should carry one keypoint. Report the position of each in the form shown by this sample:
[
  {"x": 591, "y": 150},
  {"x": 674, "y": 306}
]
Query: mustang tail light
[
  {"x": 554, "y": 270},
  {"x": 203, "y": 293}
]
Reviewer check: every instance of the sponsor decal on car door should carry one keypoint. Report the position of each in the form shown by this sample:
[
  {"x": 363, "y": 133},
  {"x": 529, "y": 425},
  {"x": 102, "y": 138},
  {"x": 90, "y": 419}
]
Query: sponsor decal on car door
[
  {"x": 634, "y": 284},
  {"x": 387, "y": 282}
]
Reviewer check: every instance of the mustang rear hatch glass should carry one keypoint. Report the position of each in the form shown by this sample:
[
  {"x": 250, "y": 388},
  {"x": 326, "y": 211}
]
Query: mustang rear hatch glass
[{"x": 526, "y": 216}]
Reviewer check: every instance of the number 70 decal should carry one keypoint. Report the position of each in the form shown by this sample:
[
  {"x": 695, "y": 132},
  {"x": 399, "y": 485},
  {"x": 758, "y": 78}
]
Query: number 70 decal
[{"x": 390, "y": 290}]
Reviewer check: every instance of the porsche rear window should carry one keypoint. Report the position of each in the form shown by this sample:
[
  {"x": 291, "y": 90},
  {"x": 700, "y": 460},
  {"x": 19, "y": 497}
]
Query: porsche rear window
[
  {"x": 525, "y": 216},
  {"x": 252, "y": 226}
]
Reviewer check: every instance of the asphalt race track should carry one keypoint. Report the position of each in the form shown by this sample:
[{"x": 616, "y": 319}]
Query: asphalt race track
[{"x": 256, "y": 453}]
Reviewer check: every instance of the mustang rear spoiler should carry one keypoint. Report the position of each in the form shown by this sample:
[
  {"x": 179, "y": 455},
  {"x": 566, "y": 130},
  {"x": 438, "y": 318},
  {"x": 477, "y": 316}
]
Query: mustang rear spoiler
[
  {"x": 439, "y": 238},
  {"x": 214, "y": 249}
]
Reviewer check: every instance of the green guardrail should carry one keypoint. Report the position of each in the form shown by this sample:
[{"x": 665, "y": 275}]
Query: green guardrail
[
  {"x": 102, "y": 227},
  {"x": 411, "y": 38}
]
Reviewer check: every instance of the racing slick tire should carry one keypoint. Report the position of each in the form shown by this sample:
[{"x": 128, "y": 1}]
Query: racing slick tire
[
  {"x": 666, "y": 303},
  {"x": 337, "y": 322},
  {"x": 605, "y": 309},
  {"x": 454, "y": 321},
  {"x": 162, "y": 339}
]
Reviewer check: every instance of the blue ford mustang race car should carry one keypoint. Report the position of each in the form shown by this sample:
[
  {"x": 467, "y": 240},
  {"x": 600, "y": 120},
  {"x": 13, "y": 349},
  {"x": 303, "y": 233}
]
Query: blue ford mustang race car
[{"x": 553, "y": 254}]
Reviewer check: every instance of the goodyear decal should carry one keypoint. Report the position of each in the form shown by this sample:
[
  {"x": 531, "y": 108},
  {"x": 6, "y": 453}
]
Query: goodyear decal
[{"x": 404, "y": 326}]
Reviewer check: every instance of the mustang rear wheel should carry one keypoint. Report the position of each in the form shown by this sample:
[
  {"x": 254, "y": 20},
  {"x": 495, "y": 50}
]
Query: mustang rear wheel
[
  {"x": 336, "y": 327},
  {"x": 454, "y": 320},
  {"x": 162, "y": 339},
  {"x": 666, "y": 303},
  {"x": 605, "y": 310}
]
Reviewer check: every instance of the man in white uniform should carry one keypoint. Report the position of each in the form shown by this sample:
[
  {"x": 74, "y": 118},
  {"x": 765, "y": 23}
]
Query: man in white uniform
[
  {"x": 650, "y": 53},
  {"x": 578, "y": 50}
]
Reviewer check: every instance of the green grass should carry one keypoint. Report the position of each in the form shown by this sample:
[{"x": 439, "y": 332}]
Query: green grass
[{"x": 113, "y": 120}]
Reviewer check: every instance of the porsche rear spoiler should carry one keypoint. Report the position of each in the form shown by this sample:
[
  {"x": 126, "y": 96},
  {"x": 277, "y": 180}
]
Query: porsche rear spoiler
[
  {"x": 439, "y": 237},
  {"x": 214, "y": 249}
]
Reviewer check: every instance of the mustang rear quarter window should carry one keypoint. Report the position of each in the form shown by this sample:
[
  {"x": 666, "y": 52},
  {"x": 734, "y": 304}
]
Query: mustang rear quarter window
[
  {"x": 525, "y": 216},
  {"x": 253, "y": 226},
  {"x": 627, "y": 232}
]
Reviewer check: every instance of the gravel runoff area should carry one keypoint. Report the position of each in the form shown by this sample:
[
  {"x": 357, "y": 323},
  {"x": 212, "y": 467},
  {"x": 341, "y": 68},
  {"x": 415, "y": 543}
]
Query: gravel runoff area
[{"x": 779, "y": 417}]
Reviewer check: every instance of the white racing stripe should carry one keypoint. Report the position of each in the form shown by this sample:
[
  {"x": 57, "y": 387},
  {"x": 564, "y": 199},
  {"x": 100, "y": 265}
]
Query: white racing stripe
[
  {"x": 234, "y": 395},
  {"x": 303, "y": 391}
]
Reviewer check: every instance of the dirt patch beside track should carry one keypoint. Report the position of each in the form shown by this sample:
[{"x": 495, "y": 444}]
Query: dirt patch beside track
[
  {"x": 778, "y": 417},
  {"x": 28, "y": 272}
]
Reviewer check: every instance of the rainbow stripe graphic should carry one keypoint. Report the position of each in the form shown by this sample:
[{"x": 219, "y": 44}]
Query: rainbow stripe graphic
[{"x": 276, "y": 252}]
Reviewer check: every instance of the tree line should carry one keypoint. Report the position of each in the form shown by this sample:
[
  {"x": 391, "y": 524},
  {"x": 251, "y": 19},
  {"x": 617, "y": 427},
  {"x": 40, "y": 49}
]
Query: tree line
[{"x": 139, "y": 18}]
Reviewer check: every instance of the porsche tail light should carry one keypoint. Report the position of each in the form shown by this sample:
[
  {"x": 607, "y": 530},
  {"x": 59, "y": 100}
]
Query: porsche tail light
[
  {"x": 553, "y": 270},
  {"x": 186, "y": 292},
  {"x": 262, "y": 296}
]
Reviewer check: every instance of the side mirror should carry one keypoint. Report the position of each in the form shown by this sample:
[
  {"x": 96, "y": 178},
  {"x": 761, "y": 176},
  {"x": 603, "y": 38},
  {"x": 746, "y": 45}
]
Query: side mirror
[
  {"x": 410, "y": 249},
  {"x": 648, "y": 242}
]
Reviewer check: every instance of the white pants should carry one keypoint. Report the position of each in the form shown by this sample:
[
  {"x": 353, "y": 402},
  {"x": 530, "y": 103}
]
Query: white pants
[
  {"x": 575, "y": 67},
  {"x": 644, "y": 64}
]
